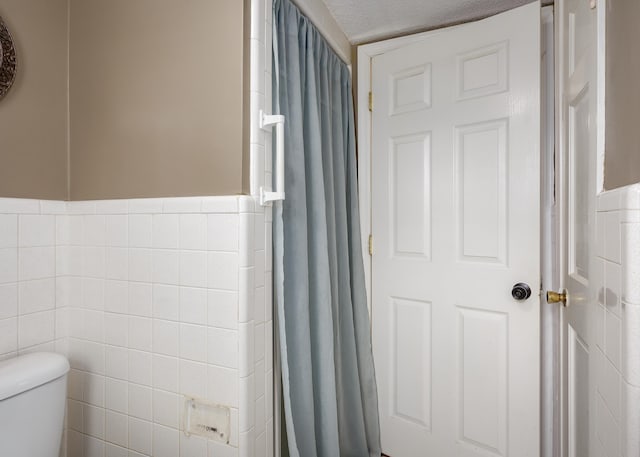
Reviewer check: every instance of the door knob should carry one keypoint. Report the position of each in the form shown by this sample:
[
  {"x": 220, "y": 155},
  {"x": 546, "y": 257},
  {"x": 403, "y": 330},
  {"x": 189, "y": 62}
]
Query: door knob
[
  {"x": 557, "y": 297},
  {"x": 521, "y": 291}
]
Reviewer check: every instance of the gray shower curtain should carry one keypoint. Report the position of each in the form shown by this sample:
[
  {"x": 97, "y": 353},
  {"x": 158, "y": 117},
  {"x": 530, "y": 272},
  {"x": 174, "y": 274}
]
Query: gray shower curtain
[{"x": 329, "y": 386}]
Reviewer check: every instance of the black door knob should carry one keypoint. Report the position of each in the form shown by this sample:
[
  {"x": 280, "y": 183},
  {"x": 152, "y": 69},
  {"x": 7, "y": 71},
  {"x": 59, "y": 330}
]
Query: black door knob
[{"x": 521, "y": 291}]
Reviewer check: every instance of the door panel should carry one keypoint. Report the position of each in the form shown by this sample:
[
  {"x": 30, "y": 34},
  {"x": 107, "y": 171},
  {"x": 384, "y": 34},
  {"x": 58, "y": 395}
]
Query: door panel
[
  {"x": 455, "y": 220},
  {"x": 480, "y": 156},
  {"x": 409, "y": 178},
  {"x": 411, "y": 341},
  {"x": 483, "y": 71},
  {"x": 483, "y": 371},
  {"x": 579, "y": 111}
]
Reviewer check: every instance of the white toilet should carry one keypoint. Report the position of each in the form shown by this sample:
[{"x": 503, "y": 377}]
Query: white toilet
[{"x": 33, "y": 390}]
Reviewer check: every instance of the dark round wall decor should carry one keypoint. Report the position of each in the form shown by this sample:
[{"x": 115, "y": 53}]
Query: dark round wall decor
[{"x": 7, "y": 60}]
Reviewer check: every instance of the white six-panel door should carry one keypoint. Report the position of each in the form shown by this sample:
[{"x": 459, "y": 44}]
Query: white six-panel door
[
  {"x": 577, "y": 191},
  {"x": 455, "y": 220}
]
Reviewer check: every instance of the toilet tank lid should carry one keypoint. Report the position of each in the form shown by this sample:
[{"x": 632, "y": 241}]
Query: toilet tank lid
[{"x": 25, "y": 372}]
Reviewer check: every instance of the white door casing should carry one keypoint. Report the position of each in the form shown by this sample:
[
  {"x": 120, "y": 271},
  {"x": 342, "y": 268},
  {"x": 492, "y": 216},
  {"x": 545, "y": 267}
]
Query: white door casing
[
  {"x": 577, "y": 186},
  {"x": 455, "y": 215}
]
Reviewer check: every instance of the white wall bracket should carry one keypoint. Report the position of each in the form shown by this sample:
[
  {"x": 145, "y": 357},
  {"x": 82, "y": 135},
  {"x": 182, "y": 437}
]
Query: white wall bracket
[{"x": 267, "y": 121}]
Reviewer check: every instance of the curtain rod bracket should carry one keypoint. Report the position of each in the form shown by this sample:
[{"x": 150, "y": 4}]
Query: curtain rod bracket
[
  {"x": 269, "y": 120},
  {"x": 267, "y": 197}
]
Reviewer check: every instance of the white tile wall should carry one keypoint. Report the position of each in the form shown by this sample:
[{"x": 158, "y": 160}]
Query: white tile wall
[
  {"x": 151, "y": 300},
  {"x": 31, "y": 316},
  {"x": 154, "y": 300},
  {"x": 617, "y": 323}
]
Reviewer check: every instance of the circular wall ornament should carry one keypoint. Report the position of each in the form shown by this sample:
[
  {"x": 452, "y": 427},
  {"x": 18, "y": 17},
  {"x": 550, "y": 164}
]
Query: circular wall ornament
[{"x": 7, "y": 60}]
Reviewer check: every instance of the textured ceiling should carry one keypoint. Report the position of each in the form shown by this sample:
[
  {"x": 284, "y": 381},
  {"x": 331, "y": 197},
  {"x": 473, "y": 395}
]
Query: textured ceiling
[{"x": 368, "y": 20}]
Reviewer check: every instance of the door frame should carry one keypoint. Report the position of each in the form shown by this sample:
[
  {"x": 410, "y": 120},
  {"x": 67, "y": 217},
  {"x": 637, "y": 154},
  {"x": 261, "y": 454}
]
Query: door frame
[{"x": 549, "y": 341}]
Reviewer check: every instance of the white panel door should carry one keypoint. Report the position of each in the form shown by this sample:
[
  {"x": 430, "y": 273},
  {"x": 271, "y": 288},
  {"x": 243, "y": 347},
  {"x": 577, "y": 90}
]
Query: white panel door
[
  {"x": 455, "y": 220},
  {"x": 577, "y": 188}
]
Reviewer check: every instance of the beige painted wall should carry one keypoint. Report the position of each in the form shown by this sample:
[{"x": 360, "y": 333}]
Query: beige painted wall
[
  {"x": 156, "y": 98},
  {"x": 622, "y": 158},
  {"x": 33, "y": 114}
]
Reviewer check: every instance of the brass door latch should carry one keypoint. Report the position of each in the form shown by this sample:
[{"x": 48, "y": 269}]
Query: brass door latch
[{"x": 557, "y": 297}]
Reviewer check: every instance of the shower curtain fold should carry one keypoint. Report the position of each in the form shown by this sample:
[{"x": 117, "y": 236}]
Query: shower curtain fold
[{"x": 329, "y": 388}]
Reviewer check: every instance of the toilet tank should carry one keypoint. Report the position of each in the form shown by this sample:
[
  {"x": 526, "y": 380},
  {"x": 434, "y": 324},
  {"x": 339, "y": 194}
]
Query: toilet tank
[{"x": 32, "y": 404}]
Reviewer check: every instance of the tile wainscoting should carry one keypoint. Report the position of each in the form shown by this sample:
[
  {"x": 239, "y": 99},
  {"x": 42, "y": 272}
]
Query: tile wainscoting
[
  {"x": 617, "y": 323},
  {"x": 153, "y": 301},
  {"x": 30, "y": 317}
]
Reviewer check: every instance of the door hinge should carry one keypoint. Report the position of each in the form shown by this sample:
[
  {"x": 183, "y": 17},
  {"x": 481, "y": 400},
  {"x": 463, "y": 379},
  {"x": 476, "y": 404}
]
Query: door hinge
[
  {"x": 593, "y": 4},
  {"x": 370, "y": 244},
  {"x": 371, "y": 101}
]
